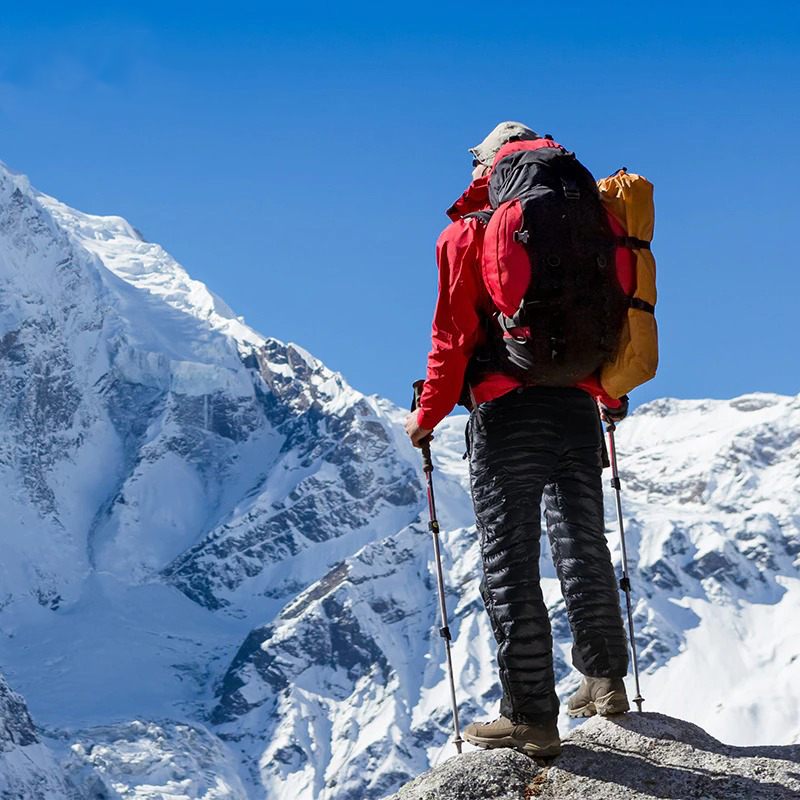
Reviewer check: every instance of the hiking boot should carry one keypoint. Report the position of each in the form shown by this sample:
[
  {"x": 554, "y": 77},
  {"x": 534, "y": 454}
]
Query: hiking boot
[
  {"x": 540, "y": 740},
  {"x": 602, "y": 696}
]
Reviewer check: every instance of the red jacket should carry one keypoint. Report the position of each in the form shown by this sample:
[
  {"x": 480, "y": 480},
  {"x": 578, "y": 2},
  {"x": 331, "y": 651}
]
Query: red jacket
[{"x": 460, "y": 307}]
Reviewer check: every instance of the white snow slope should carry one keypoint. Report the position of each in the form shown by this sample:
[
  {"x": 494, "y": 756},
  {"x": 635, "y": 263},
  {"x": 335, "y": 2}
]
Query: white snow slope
[{"x": 216, "y": 576}]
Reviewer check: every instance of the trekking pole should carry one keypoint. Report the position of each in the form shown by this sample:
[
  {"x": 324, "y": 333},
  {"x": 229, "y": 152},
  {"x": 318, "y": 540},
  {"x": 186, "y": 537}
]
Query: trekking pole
[
  {"x": 444, "y": 630},
  {"x": 625, "y": 583}
]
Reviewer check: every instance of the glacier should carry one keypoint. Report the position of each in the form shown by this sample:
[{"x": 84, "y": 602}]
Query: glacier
[{"x": 217, "y": 581}]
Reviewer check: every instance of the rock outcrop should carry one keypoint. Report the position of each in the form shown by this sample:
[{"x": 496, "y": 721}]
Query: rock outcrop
[
  {"x": 633, "y": 757},
  {"x": 28, "y": 768}
]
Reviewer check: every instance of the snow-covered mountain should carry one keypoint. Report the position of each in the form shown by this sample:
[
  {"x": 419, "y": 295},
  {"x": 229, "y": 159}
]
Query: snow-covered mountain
[
  {"x": 171, "y": 477},
  {"x": 216, "y": 577},
  {"x": 349, "y": 680}
]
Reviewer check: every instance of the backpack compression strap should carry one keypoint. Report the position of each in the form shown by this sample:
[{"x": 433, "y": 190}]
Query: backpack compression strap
[
  {"x": 632, "y": 243},
  {"x": 483, "y": 216},
  {"x": 635, "y": 302}
]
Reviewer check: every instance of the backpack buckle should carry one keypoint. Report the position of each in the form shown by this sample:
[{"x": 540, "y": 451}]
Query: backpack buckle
[
  {"x": 522, "y": 236},
  {"x": 512, "y": 330},
  {"x": 571, "y": 190}
]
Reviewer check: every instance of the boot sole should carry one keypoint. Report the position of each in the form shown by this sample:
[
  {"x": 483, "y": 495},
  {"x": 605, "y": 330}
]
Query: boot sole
[
  {"x": 606, "y": 706},
  {"x": 549, "y": 750}
]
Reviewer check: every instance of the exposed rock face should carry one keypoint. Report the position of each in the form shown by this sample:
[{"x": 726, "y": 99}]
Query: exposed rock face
[
  {"x": 633, "y": 757},
  {"x": 28, "y": 769},
  {"x": 337, "y": 471}
]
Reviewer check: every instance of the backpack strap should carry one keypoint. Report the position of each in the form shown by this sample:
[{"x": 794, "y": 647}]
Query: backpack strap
[
  {"x": 633, "y": 243},
  {"x": 483, "y": 216},
  {"x": 635, "y": 302}
]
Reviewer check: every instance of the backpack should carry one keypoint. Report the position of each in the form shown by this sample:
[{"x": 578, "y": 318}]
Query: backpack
[
  {"x": 559, "y": 265},
  {"x": 628, "y": 199}
]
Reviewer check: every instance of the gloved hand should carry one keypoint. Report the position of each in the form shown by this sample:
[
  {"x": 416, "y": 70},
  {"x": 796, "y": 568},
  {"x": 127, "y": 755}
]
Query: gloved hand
[{"x": 615, "y": 415}]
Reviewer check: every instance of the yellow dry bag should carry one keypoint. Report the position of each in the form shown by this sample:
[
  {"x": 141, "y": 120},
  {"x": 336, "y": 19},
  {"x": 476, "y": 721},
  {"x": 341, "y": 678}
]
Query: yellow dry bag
[{"x": 629, "y": 199}]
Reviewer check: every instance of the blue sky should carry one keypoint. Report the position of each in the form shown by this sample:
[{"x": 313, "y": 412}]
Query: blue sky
[{"x": 299, "y": 158}]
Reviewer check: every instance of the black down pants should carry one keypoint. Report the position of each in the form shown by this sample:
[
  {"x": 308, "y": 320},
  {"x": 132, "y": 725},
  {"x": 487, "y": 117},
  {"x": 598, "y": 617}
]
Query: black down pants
[{"x": 528, "y": 443}]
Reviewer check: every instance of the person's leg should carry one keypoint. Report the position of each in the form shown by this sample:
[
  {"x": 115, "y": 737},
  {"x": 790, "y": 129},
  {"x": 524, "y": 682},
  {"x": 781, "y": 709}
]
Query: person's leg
[
  {"x": 513, "y": 449},
  {"x": 576, "y": 529}
]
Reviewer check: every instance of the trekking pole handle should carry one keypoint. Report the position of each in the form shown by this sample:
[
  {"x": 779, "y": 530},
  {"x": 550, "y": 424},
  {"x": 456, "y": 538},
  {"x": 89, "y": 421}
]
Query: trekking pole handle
[
  {"x": 418, "y": 386},
  {"x": 425, "y": 444}
]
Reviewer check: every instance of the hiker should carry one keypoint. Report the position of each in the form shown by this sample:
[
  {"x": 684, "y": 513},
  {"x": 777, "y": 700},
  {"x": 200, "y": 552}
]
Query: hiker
[{"x": 525, "y": 442}]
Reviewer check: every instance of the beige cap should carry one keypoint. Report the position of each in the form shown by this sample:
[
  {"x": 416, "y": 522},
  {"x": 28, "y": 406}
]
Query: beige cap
[{"x": 503, "y": 133}]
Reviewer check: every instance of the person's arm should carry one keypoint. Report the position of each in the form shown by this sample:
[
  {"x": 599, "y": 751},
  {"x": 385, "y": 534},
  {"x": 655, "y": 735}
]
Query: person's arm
[
  {"x": 456, "y": 321},
  {"x": 610, "y": 407},
  {"x": 615, "y": 413}
]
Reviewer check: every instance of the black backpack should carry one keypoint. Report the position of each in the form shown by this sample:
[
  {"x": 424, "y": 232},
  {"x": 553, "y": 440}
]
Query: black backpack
[{"x": 549, "y": 265}]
